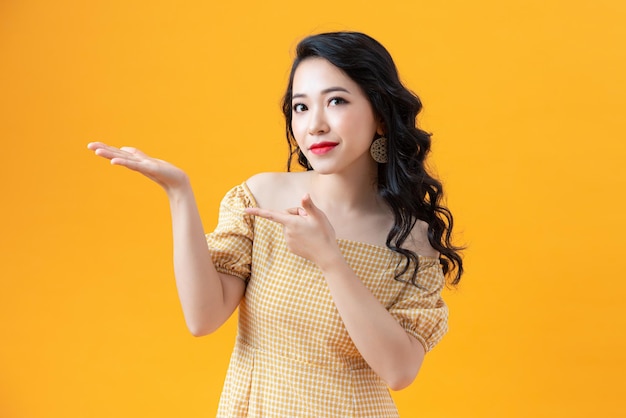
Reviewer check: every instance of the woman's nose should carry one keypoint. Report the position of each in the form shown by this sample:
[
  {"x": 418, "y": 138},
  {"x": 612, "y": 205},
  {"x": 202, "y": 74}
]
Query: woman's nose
[{"x": 317, "y": 122}]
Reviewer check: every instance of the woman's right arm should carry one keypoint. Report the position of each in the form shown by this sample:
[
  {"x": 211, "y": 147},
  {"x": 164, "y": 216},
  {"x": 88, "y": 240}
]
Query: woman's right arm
[{"x": 208, "y": 297}]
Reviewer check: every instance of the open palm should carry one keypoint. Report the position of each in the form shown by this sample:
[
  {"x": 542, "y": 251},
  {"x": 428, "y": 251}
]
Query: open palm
[{"x": 165, "y": 174}]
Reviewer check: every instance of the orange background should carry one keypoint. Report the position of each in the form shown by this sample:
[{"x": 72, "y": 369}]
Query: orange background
[{"x": 526, "y": 100}]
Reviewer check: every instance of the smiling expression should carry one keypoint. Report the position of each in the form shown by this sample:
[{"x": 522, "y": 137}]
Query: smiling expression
[{"x": 332, "y": 119}]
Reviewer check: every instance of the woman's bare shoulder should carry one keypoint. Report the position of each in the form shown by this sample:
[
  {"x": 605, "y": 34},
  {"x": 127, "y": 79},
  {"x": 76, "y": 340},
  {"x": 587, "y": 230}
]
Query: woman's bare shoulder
[
  {"x": 278, "y": 190},
  {"x": 418, "y": 241}
]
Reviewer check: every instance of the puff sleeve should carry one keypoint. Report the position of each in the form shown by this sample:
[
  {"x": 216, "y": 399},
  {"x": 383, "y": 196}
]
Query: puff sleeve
[
  {"x": 420, "y": 310},
  {"x": 230, "y": 244}
]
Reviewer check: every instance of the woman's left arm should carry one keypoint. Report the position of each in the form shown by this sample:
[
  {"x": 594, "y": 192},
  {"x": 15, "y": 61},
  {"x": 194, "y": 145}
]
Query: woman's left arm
[{"x": 395, "y": 355}]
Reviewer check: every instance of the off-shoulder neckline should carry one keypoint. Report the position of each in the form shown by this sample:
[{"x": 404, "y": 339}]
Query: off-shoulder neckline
[{"x": 376, "y": 247}]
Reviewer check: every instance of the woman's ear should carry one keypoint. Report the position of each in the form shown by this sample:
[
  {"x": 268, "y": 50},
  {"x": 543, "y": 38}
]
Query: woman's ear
[{"x": 380, "y": 128}]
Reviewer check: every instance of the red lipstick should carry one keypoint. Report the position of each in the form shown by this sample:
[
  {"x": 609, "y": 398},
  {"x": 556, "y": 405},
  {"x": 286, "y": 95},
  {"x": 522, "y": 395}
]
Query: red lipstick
[{"x": 321, "y": 148}]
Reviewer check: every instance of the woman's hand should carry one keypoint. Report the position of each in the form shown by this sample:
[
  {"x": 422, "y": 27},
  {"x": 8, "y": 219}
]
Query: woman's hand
[
  {"x": 163, "y": 173},
  {"x": 308, "y": 233}
]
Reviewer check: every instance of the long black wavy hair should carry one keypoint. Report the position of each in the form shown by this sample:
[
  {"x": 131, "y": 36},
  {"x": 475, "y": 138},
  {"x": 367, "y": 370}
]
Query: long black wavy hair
[{"x": 403, "y": 182}]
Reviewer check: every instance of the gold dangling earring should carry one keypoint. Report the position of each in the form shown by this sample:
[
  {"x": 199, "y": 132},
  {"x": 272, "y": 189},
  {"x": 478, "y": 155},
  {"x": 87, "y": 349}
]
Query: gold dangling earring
[{"x": 378, "y": 150}]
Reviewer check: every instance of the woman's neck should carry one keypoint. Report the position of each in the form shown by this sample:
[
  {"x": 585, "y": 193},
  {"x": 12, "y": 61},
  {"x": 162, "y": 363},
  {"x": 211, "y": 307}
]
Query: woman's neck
[{"x": 345, "y": 192}]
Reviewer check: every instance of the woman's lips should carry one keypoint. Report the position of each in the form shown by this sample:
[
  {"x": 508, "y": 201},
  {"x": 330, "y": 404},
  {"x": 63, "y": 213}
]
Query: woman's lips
[{"x": 322, "y": 147}]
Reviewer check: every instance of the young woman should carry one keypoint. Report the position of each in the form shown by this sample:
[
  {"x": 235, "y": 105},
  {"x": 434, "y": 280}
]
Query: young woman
[{"x": 337, "y": 270}]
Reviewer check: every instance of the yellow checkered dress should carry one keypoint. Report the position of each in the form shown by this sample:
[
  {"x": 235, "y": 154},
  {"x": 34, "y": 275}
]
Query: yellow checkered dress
[{"x": 293, "y": 356}]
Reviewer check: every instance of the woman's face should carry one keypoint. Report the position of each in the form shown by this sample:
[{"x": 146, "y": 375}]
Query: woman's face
[{"x": 332, "y": 119}]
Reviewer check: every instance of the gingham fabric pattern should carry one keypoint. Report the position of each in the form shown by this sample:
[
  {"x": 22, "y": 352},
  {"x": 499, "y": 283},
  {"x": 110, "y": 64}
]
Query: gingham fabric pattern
[{"x": 293, "y": 357}]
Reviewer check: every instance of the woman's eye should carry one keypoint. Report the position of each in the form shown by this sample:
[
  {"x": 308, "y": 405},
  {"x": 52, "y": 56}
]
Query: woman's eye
[
  {"x": 299, "y": 107},
  {"x": 336, "y": 101}
]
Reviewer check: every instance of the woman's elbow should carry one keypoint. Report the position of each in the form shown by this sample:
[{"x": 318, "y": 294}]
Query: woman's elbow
[
  {"x": 405, "y": 372},
  {"x": 199, "y": 332},
  {"x": 200, "y": 329},
  {"x": 401, "y": 380}
]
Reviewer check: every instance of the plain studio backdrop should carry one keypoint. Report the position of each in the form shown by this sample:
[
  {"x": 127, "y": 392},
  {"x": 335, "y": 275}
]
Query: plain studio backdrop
[{"x": 526, "y": 102}]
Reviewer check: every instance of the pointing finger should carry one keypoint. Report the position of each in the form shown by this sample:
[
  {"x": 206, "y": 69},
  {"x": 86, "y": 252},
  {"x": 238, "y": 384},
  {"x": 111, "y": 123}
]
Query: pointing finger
[{"x": 272, "y": 215}]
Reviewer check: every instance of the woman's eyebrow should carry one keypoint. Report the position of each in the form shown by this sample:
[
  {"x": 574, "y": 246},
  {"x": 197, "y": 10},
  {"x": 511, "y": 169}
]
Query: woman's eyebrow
[{"x": 325, "y": 91}]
